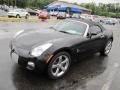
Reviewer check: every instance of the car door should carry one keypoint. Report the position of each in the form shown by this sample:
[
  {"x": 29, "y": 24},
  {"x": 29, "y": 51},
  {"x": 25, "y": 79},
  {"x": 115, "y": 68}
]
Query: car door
[
  {"x": 81, "y": 44},
  {"x": 23, "y": 13},
  {"x": 97, "y": 39},
  {"x": 91, "y": 44}
]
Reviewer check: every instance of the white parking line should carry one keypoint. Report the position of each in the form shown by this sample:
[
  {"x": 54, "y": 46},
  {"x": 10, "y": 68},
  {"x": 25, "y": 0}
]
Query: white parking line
[{"x": 110, "y": 77}]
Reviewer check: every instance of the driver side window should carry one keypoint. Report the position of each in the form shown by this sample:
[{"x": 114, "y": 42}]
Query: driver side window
[{"x": 95, "y": 29}]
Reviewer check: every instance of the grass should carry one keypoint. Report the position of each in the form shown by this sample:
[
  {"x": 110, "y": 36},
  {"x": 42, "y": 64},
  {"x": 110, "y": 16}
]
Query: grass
[{"x": 6, "y": 19}]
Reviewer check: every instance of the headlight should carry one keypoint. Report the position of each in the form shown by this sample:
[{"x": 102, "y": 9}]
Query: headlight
[
  {"x": 40, "y": 49},
  {"x": 18, "y": 33}
]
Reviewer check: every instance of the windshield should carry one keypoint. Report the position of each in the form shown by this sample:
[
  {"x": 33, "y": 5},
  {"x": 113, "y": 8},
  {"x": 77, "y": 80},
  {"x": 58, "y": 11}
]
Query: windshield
[
  {"x": 71, "y": 27},
  {"x": 16, "y": 10}
]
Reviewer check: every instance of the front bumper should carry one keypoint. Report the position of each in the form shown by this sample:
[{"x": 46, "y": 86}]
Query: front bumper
[{"x": 29, "y": 63}]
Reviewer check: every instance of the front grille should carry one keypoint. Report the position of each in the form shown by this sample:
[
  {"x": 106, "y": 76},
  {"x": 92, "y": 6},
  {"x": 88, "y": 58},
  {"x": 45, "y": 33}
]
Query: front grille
[
  {"x": 39, "y": 65},
  {"x": 23, "y": 61}
]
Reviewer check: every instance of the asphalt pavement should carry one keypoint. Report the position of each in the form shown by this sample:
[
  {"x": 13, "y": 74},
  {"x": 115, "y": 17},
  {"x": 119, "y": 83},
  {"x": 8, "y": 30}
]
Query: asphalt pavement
[{"x": 94, "y": 72}]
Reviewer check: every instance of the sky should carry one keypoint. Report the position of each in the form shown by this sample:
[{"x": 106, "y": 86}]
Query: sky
[{"x": 96, "y": 1}]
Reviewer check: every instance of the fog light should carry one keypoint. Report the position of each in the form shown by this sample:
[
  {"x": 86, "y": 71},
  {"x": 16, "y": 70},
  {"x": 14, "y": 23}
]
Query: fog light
[{"x": 30, "y": 65}]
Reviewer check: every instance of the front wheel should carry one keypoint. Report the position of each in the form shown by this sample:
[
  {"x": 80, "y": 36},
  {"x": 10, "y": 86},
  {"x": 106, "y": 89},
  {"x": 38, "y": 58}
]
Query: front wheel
[
  {"x": 9, "y": 16},
  {"x": 107, "y": 48},
  {"x": 59, "y": 65},
  {"x": 17, "y": 16}
]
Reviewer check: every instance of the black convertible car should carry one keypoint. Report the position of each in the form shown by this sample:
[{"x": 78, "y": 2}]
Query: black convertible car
[{"x": 53, "y": 49}]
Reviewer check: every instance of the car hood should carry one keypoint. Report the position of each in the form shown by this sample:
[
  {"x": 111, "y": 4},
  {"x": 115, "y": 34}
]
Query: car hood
[
  {"x": 32, "y": 38},
  {"x": 12, "y": 12}
]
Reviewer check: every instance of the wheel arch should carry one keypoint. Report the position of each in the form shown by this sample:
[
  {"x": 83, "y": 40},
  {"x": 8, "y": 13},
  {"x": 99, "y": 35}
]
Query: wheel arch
[
  {"x": 18, "y": 15},
  {"x": 49, "y": 65},
  {"x": 65, "y": 49},
  {"x": 111, "y": 38}
]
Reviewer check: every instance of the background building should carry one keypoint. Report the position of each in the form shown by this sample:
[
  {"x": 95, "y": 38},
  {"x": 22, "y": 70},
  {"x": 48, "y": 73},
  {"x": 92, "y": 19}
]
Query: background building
[{"x": 64, "y": 6}]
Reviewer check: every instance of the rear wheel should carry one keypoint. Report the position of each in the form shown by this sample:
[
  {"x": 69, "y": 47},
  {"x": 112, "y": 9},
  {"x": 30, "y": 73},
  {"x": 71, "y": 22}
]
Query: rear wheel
[
  {"x": 27, "y": 16},
  {"x": 107, "y": 48},
  {"x": 59, "y": 65},
  {"x": 9, "y": 16},
  {"x": 17, "y": 16}
]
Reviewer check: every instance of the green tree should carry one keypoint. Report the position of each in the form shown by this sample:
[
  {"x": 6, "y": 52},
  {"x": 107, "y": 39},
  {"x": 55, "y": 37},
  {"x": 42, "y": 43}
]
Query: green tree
[
  {"x": 27, "y": 3},
  {"x": 110, "y": 10}
]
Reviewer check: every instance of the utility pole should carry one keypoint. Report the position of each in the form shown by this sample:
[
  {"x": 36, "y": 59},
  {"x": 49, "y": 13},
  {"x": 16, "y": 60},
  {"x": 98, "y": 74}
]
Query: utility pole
[
  {"x": 115, "y": 5},
  {"x": 8, "y": 3},
  {"x": 15, "y": 2}
]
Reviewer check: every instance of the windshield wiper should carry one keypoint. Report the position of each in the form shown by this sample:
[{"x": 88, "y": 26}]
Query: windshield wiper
[{"x": 64, "y": 32}]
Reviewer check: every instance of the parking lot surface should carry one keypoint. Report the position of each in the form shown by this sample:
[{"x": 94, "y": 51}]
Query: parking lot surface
[{"x": 94, "y": 72}]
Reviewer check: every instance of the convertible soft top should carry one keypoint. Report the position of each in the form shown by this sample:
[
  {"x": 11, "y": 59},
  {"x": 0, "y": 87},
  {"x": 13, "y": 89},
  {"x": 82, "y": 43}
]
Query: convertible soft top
[
  {"x": 84, "y": 20},
  {"x": 90, "y": 23}
]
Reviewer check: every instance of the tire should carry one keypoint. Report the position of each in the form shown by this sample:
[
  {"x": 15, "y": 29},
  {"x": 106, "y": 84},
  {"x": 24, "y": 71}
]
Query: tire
[
  {"x": 17, "y": 16},
  {"x": 59, "y": 65},
  {"x": 107, "y": 48},
  {"x": 9, "y": 17},
  {"x": 26, "y": 17}
]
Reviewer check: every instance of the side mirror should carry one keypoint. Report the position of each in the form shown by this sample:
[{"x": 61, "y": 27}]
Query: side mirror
[
  {"x": 89, "y": 35},
  {"x": 93, "y": 33}
]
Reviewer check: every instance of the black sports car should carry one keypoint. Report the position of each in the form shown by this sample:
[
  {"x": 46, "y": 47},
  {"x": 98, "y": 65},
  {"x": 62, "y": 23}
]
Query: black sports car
[{"x": 54, "y": 48}]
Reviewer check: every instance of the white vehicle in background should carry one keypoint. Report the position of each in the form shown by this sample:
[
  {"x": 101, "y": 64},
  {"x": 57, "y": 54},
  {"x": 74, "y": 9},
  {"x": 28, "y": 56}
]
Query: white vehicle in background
[
  {"x": 53, "y": 13},
  {"x": 18, "y": 13},
  {"x": 94, "y": 18},
  {"x": 86, "y": 16},
  {"x": 76, "y": 15},
  {"x": 111, "y": 21},
  {"x": 61, "y": 15}
]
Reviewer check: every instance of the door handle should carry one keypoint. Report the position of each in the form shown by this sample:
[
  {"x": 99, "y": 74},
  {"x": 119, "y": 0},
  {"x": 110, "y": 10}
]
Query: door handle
[{"x": 102, "y": 36}]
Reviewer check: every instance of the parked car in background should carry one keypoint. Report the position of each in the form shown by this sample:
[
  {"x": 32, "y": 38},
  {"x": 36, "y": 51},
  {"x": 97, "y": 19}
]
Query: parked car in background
[
  {"x": 76, "y": 15},
  {"x": 3, "y": 13},
  {"x": 53, "y": 13},
  {"x": 61, "y": 15},
  {"x": 18, "y": 13},
  {"x": 32, "y": 12},
  {"x": 4, "y": 7},
  {"x": 111, "y": 21},
  {"x": 88, "y": 17},
  {"x": 44, "y": 15},
  {"x": 68, "y": 15},
  {"x": 85, "y": 16}
]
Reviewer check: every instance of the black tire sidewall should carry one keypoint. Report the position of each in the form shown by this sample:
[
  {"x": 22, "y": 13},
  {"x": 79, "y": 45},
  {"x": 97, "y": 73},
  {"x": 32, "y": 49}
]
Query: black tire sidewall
[
  {"x": 103, "y": 51},
  {"x": 17, "y": 16},
  {"x": 49, "y": 73},
  {"x": 27, "y": 16}
]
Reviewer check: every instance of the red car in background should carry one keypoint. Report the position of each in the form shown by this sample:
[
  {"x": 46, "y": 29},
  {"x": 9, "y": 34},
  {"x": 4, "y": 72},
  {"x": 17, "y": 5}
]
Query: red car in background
[{"x": 44, "y": 15}]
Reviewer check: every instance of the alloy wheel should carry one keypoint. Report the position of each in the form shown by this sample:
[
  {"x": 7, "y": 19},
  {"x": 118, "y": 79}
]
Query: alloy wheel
[
  {"x": 60, "y": 65},
  {"x": 108, "y": 47}
]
